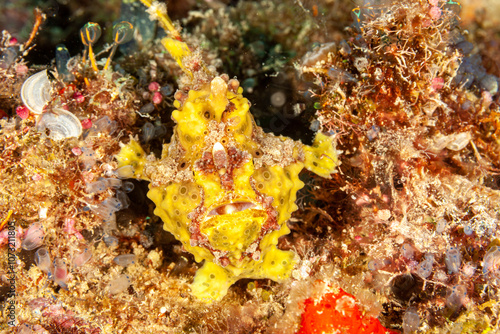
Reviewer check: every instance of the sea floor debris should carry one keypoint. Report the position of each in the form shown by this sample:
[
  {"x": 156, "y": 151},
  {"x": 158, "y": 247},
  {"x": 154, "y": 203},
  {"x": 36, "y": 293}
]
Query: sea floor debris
[{"x": 404, "y": 237}]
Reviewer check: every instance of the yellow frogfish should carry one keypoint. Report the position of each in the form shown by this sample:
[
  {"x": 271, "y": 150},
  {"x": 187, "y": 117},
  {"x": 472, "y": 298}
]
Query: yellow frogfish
[{"x": 223, "y": 187}]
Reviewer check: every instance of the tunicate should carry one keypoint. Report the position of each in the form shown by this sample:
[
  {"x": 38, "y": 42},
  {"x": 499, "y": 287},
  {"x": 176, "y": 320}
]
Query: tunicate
[
  {"x": 468, "y": 269},
  {"x": 167, "y": 90},
  {"x": 490, "y": 83},
  {"x": 157, "y": 98},
  {"x": 123, "y": 32},
  {"x": 375, "y": 264},
  {"x": 439, "y": 143},
  {"x": 340, "y": 75},
  {"x": 407, "y": 251},
  {"x": 373, "y": 132},
  {"x": 319, "y": 52},
  {"x": 147, "y": 108},
  {"x": 148, "y": 132},
  {"x": 464, "y": 80},
  {"x": 125, "y": 171},
  {"x": 357, "y": 20},
  {"x": 62, "y": 58},
  {"x": 35, "y": 92},
  {"x": 110, "y": 241},
  {"x": 33, "y": 237},
  {"x": 106, "y": 208},
  {"x": 8, "y": 57},
  {"x": 145, "y": 28},
  {"x": 96, "y": 187},
  {"x": 248, "y": 85},
  {"x": 88, "y": 158},
  {"x": 452, "y": 7},
  {"x": 315, "y": 125},
  {"x": 60, "y": 274},
  {"x": 124, "y": 260},
  {"x": 109, "y": 223},
  {"x": 160, "y": 131},
  {"x": 491, "y": 265},
  {"x": 103, "y": 124},
  {"x": 441, "y": 225},
  {"x": 424, "y": 268},
  {"x": 411, "y": 320},
  {"x": 90, "y": 33},
  {"x": 454, "y": 37},
  {"x": 344, "y": 49},
  {"x": 83, "y": 257},
  {"x": 452, "y": 259},
  {"x": 25, "y": 328},
  {"x": 59, "y": 124},
  {"x": 123, "y": 198},
  {"x": 42, "y": 260},
  {"x": 471, "y": 70},
  {"x": 458, "y": 141},
  {"x": 466, "y": 47},
  {"x": 457, "y": 296},
  {"x": 112, "y": 182},
  {"x": 491, "y": 259},
  {"x": 119, "y": 284},
  {"x": 127, "y": 186}
]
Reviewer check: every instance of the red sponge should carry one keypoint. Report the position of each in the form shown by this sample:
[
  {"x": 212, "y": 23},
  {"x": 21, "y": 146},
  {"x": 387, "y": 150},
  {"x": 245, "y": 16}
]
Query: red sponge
[{"x": 337, "y": 312}]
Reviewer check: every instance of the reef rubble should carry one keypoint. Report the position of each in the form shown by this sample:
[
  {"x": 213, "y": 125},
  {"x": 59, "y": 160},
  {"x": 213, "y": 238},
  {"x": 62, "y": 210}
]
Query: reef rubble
[{"x": 150, "y": 172}]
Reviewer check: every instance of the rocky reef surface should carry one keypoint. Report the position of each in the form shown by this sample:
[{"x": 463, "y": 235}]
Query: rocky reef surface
[{"x": 208, "y": 111}]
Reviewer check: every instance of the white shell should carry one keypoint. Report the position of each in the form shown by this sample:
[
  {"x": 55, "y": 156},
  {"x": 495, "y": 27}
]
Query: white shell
[
  {"x": 60, "y": 123},
  {"x": 35, "y": 92}
]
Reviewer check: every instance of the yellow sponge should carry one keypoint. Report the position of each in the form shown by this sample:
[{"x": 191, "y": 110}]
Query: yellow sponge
[
  {"x": 131, "y": 160},
  {"x": 321, "y": 158}
]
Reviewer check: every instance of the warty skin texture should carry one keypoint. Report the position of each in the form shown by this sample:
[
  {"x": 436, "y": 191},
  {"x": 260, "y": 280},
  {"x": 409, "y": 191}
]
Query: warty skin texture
[{"x": 225, "y": 188}]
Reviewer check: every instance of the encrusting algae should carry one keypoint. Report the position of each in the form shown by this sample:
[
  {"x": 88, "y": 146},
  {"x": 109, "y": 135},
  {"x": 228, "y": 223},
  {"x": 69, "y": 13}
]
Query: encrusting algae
[{"x": 224, "y": 187}]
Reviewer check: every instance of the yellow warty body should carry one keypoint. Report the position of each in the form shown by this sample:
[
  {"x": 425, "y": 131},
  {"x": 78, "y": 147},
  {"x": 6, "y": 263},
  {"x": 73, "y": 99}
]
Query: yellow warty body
[{"x": 226, "y": 189}]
